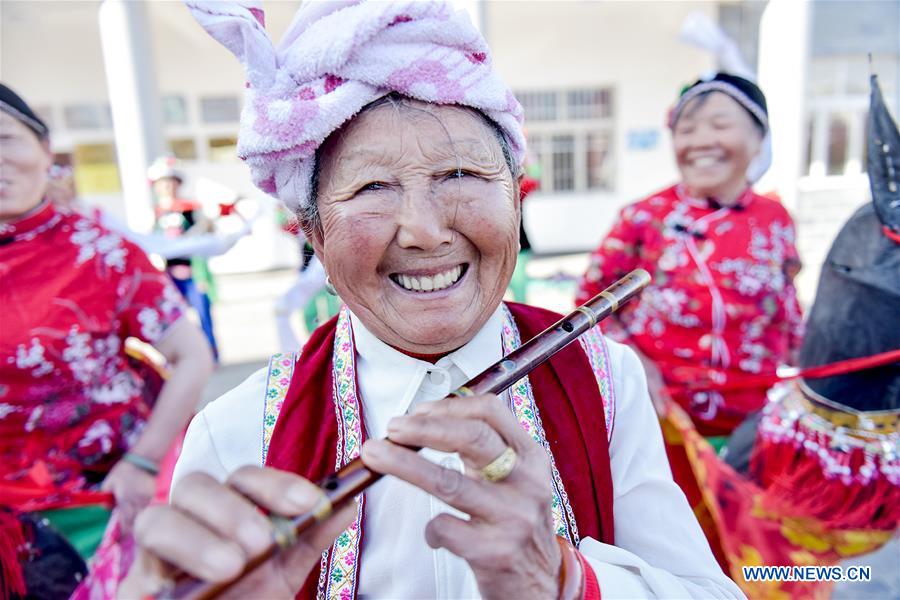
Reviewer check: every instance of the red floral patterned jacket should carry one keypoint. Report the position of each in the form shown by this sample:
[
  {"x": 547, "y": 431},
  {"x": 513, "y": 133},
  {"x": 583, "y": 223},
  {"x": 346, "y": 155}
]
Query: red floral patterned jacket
[
  {"x": 722, "y": 302},
  {"x": 70, "y": 402}
]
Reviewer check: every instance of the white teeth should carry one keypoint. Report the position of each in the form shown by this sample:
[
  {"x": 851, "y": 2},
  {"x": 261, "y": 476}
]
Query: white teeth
[
  {"x": 706, "y": 161},
  {"x": 426, "y": 283}
]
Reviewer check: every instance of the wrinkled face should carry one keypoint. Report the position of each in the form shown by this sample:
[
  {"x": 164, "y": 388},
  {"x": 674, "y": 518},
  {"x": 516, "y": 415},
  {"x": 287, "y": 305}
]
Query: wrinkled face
[
  {"x": 715, "y": 140},
  {"x": 24, "y": 160},
  {"x": 420, "y": 220}
]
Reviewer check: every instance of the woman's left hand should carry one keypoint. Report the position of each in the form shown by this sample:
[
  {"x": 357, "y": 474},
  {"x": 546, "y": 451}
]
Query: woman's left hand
[
  {"x": 509, "y": 541},
  {"x": 133, "y": 490}
]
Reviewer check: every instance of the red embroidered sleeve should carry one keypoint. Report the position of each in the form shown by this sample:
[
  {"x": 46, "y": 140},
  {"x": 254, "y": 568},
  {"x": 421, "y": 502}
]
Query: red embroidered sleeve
[
  {"x": 616, "y": 256},
  {"x": 148, "y": 302}
]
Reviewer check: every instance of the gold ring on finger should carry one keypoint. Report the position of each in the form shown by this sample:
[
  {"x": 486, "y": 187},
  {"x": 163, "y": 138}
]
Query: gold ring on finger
[{"x": 500, "y": 468}]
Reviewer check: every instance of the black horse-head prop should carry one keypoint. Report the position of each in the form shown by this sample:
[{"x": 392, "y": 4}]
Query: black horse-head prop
[
  {"x": 857, "y": 308},
  {"x": 884, "y": 163}
]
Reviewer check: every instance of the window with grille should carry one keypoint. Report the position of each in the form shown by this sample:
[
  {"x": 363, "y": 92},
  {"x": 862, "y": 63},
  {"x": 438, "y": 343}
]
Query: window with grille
[
  {"x": 539, "y": 106},
  {"x": 588, "y": 104},
  {"x": 570, "y": 138},
  {"x": 849, "y": 40},
  {"x": 836, "y": 122},
  {"x": 599, "y": 167},
  {"x": 563, "y": 158}
]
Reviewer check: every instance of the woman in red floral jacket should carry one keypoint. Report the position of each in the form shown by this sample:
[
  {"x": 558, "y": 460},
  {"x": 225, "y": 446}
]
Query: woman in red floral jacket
[
  {"x": 76, "y": 418},
  {"x": 722, "y": 303}
]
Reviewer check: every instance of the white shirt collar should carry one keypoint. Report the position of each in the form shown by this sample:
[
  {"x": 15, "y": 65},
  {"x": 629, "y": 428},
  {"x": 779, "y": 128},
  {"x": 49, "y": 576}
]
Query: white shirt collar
[
  {"x": 479, "y": 353},
  {"x": 390, "y": 382}
]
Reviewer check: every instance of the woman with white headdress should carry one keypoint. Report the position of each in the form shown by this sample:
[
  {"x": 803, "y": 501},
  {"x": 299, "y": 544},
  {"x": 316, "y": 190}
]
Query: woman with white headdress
[{"x": 722, "y": 305}]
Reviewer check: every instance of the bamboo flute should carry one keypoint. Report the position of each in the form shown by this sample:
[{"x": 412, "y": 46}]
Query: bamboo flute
[{"x": 340, "y": 487}]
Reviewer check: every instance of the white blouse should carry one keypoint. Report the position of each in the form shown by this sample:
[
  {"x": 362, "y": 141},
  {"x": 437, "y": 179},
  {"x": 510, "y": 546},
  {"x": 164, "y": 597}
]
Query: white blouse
[{"x": 660, "y": 549}]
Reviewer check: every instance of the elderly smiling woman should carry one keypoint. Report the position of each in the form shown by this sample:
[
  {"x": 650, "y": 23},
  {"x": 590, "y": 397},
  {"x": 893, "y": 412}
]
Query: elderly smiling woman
[{"x": 403, "y": 157}]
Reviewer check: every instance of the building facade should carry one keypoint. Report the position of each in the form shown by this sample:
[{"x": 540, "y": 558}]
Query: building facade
[{"x": 596, "y": 80}]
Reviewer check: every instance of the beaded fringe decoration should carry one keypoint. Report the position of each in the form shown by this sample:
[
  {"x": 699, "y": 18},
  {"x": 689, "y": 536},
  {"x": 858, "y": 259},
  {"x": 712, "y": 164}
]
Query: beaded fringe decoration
[{"x": 847, "y": 477}]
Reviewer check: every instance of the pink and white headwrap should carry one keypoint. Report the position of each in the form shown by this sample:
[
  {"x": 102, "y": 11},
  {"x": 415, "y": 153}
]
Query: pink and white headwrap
[{"x": 338, "y": 56}]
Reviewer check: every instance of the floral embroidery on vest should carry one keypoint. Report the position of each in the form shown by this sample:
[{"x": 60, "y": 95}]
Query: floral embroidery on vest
[
  {"x": 521, "y": 402},
  {"x": 281, "y": 368},
  {"x": 594, "y": 346},
  {"x": 339, "y": 575}
]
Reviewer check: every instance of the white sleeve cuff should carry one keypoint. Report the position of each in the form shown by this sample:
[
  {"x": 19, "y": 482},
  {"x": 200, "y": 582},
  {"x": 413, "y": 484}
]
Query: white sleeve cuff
[{"x": 622, "y": 574}]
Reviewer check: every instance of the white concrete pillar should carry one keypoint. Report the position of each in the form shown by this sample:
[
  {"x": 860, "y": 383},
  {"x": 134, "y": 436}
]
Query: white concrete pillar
[
  {"x": 131, "y": 80},
  {"x": 783, "y": 58}
]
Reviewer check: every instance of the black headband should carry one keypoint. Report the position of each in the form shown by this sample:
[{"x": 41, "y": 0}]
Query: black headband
[
  {"x": 12, "y": 104},
  {"x": 744, "y": 91}
]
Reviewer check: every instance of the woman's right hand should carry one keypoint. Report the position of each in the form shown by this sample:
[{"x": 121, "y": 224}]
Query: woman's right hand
[{"x": 212, "y": 530}]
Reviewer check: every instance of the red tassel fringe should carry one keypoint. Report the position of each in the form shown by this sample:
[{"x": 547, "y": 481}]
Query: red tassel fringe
[
  {"x": 797, "y": 478},
  {"x": 11, "y": 540}
]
